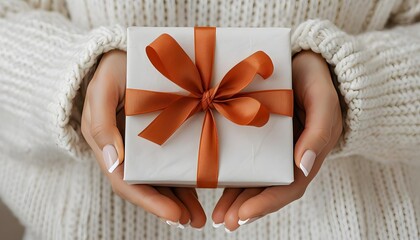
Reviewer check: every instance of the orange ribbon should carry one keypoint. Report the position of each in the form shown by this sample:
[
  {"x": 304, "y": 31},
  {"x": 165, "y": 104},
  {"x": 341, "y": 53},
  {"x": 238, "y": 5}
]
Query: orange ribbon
[{"x": 243, "y": 108}]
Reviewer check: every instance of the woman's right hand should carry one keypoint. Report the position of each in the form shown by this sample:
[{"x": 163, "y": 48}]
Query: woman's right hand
[{"x": 103, "y": 121}]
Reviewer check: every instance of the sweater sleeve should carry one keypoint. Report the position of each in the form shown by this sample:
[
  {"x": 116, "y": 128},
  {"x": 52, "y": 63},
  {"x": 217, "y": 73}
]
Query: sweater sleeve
[
  {"x": 378, "y": 76},
  {"x": 44, "y": 62}
]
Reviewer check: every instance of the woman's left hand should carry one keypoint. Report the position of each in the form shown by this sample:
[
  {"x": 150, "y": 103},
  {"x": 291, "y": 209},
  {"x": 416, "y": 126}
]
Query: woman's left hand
[{"x": 317, "y": 128}]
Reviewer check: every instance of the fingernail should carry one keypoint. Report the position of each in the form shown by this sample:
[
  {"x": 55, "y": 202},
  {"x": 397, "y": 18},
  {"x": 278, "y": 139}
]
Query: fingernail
[
  {"x": 110, "y": 157},
  {"x": 199, "y": 229},
  {"x": 307, "y": 161},
  {"x": 176, "y": 224},
  {"x": 242, "y": 222},
  {"x": 180, "y": 226},
  {"x": 247, "y": 221},
  {"x": 227, "y": 230},
  {"x": 172, "y": 223},
  {"x": 187, "y": 224},
  {"x": 217, "y": 225}
]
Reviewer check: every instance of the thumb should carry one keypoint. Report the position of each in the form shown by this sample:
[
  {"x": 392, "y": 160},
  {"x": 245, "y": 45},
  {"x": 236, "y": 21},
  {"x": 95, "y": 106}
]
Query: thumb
[
  {"x": 108, "y": 138},
  {"x": 317, "y": 129},
  {"x": 103, "y": 104}
]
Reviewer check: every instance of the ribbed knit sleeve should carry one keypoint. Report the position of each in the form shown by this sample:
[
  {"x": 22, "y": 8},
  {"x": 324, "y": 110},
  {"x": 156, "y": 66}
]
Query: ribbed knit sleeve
[
  {"x": 378, "y": 75},
  {"x": 44, "y": 59}
]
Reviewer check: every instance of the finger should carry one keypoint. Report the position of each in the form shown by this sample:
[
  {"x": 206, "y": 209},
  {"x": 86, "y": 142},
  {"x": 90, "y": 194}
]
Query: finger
[
  {"x": 104, "y": 97},
  {"x": 85, "y": 126},
  {"x": 267, "y": 201},
  {"x": 146, "y": 197},
  {"x": 121, "y": 120},
  {"x": 231, "y": 217},
  {"x": 228, "y": 197},
  {"x": 335, "y": 135},
  {"x": 185, "y": 214},
  {"x": 298, "y": 124},
  {"x": 189, "y": 199},
  {"x": 319, "y": 106},
  {"x": 274, "y": 198}
]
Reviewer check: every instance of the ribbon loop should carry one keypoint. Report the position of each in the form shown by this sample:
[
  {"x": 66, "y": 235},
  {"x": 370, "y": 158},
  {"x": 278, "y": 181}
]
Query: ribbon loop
[
  {"x": 172, "y": 61},
  {"x": 242, "y": 74}
]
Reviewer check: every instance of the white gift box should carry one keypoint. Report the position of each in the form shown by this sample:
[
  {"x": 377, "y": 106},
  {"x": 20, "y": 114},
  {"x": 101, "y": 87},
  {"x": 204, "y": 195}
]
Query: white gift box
[{"x": 248, "y": 156}]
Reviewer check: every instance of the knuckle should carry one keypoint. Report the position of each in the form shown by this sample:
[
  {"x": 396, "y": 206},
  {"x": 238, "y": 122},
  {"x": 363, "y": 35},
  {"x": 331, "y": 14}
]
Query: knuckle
[
  {"x": 96, "y": 130},
  {"x": 299, "y": 193},
  {"x": 231, "y": 218},
  {"x": 93, "y": 83},
  {"x": 275, "y": 198},
  {"x": 271, "y": 197},
  {"x": 324, "y": 135},
  {"x": 91, "y": 87},
  {"x": 99, "y": 129},
  {"x": 332, "y": 96},
  {"x": 116, "y": 189}
]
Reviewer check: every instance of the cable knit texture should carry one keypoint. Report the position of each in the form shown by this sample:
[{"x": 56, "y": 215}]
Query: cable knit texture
[
  {"x": 366, "y": 188},
  {"x": 380, "y": 81}
]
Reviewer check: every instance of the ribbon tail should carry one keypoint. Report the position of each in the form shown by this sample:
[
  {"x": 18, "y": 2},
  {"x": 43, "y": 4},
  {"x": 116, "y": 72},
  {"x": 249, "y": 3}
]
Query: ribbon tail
[
  {"x": 243, "y": 111},
  {"x": 278, "y": 101},
  {"x": 139, "y": 101},
  {"x": 169, "y": 120},
  {"x": 208, "y": 154}
]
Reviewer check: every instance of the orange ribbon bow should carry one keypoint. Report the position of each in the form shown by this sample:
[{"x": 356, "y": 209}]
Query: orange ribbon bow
[{"x": 247, "y": 108}]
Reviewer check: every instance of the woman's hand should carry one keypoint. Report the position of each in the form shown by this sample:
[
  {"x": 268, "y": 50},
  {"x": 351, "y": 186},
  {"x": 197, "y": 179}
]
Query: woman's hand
[
  {"x": 102, "y": 124},
  {"x": 317, "y": 128}
]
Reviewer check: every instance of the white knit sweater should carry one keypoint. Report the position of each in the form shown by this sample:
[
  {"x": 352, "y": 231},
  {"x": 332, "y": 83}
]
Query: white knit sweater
[{"x": 367, "y": 188}]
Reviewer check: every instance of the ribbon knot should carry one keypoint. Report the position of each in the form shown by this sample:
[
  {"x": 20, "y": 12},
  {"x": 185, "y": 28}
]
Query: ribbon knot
[
  {"x": 243, "y": 108},
  {"x": 206, "y": 100}
]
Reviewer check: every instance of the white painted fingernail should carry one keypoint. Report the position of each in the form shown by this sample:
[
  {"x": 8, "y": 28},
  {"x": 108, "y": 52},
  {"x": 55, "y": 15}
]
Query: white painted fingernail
[
  {"x": 175, "y": 224},
  {"x": 110, "y": 157},
  {"x": 307, "y": 161},
  {"x": 187, "y": 224},
  {"x": 113, "y": 167},
  {"x": 242, "y": 222},
  {"x": 199, "y": 229},
  {"x": 180, "y": 226},
  {"x": 172, "y": 223},
  {"x": 227, "y": 230},
  {"x": 217, "y": 225},
  {"x": 247, "y": 221}
]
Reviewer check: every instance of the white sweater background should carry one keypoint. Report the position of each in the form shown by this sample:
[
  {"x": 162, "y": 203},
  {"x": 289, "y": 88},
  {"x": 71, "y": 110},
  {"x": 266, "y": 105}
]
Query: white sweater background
[{"x": 368, "y": 188}]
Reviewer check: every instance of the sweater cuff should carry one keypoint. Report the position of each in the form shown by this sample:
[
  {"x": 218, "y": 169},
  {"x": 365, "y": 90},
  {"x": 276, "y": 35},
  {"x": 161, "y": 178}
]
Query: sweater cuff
[
  {"x": 334, "y": 45},
  {"x": 71, "y": 98}
]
